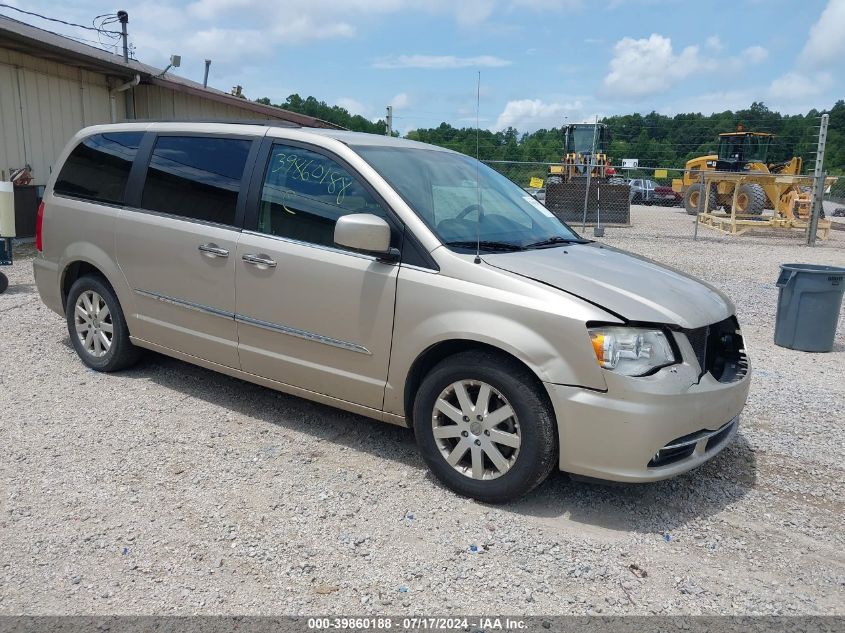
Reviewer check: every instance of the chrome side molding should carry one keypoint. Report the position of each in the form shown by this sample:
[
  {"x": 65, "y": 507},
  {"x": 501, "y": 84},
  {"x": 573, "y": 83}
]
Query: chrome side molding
[
  {"x": 267, "y": 325},
  {"x": 309, "y": 336}
]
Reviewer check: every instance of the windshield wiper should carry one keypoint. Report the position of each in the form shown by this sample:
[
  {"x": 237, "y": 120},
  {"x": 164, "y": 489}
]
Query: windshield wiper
[
  {"x": 553, "y": 241},
  {"x": 486, "y": 245}
]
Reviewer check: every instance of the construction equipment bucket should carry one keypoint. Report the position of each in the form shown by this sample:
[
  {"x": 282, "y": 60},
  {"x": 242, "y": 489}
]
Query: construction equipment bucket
[{"x": 809, "y": 300}]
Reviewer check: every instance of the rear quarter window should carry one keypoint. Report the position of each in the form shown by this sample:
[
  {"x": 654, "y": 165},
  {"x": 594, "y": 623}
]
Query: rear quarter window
[{"x": 98, "y": 168}]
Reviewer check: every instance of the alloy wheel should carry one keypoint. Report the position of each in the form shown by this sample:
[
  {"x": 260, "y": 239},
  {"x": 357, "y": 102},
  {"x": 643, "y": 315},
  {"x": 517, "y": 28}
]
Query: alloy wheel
[
  {"x": 93, "y": 323},
  {"x": 476, "y": 429}
]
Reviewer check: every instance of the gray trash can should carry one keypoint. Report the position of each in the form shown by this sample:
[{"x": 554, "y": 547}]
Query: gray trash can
[{"x": 808, "y": 306}]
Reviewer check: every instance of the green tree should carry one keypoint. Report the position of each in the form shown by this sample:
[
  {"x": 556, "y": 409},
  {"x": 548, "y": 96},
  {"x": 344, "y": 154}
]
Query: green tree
[{"x": 655, "y": 139}]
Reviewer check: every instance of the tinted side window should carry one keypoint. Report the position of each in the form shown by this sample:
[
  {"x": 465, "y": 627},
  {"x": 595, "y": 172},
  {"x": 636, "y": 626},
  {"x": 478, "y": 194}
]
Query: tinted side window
[
  {"x": 196, "y": 177},
  {"x": 98, "y": 168},
  {"x": 305, "y": 193}
]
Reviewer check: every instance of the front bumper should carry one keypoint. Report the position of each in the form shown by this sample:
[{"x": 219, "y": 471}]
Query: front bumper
[{"x": 618, "y": 434}]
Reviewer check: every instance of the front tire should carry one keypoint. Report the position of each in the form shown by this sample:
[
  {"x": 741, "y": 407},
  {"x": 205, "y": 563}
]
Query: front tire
[
  {"x": 484, "y": 427},
  {"x": 751, "y": 199},
  {"x": 97, "y": 327},
  {"x": 692, "y": 199}
]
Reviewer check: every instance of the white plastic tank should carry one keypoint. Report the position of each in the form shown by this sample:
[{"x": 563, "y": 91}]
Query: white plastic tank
[{"x": 7, "y": 209}]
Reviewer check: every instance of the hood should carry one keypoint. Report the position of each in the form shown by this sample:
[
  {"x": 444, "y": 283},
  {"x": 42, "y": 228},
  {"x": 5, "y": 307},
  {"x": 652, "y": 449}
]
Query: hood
[{"x": 630, "y": 286}]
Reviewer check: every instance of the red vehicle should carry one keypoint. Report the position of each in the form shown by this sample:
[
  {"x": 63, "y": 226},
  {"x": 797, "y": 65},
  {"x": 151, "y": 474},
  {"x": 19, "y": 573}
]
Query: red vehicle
[{"x": 650, "y": 193}]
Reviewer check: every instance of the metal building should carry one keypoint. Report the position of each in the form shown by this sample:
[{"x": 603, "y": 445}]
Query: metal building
[{"x": 51, "y": 86}]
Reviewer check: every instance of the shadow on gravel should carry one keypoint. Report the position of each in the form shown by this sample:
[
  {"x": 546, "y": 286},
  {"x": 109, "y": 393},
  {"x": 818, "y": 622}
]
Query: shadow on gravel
[
  {"x": 20, "y": 289},
  {"x": 653, "y": 507},
  {"x": 283, "y": 410}
]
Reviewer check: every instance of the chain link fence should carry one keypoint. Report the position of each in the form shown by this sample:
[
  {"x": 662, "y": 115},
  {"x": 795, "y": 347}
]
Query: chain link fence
[
  {"x": 733, "y": 203},
  {"x": 834, "y": 199},
  {"x": 577, "y": 200}
]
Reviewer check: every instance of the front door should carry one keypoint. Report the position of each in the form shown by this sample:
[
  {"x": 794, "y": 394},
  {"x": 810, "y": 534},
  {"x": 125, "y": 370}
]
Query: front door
[
  {"x": 309, "y": 313},
  {"x": 177, "y": 248}
]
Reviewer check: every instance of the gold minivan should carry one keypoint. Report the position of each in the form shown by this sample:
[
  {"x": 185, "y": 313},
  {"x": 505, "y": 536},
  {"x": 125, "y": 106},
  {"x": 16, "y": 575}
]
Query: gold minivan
[{"x": 397, "y": 280}]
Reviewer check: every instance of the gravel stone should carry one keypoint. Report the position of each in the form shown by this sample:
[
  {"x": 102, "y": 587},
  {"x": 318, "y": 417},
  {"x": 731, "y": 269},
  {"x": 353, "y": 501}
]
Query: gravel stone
[{"x": 234, "y": 499}]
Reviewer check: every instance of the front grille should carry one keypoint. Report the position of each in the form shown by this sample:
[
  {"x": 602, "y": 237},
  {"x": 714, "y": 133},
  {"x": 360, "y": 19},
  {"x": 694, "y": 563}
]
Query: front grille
[
  {"x": 717, "y": 439},
  {"x": 666, "y": 456},
  {"x": 683, "y": 447},
  {"x": 720, "y": 350}
]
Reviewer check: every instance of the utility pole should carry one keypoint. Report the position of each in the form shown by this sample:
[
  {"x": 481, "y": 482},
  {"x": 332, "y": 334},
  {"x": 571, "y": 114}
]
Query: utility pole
[
  {"x": 205, "y": 77},
  {"x": 818, "y": 184},
  {"x": 123, "y": 18},
  {"x": 388, "y": 121},
  {"x": 129, "y": 96}
]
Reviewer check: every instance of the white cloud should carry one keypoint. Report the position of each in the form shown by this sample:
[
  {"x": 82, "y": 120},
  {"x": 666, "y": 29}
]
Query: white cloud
[
  {"x": 210, "y": 9},
  {"x": 352, "y": 106},
  {"x": 402, "y": 100},
  {"x": 755, "y": 54},
  {"x": 528, "y": 115},
  {"x": 794, "y": 86},
  {"x": 466, "y": 12},
  {"x": 305, "y": 28},
  {"x": 293, "y": 25},
  {"x": 812, "y": 79},
  {"x": 440, "y": 61},
  {"x": 650, "y": 66},
  {"x": 324, "y": 16},
  {"x": 826, "y": 45},
  {"x": 713, "y": 42},
  {"x": 223, "y": 45}
]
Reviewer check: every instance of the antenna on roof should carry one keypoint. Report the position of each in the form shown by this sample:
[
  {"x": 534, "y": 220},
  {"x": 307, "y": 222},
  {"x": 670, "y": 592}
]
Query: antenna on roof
[{"x": 477, "y": 166}]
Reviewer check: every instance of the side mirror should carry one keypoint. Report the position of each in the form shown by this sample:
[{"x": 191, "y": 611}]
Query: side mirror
[{"x": 365, "y": 232}]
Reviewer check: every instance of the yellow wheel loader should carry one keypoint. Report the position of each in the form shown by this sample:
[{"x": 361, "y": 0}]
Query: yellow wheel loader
[
  {"x": 579, "y": 139},
  {"x": 766, "y": 187},
  {"x": 585, "y": 161}
]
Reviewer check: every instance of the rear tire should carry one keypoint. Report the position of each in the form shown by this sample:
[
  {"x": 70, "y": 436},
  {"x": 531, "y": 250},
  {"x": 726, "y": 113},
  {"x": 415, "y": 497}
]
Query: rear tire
[
  {"x": 496, "y": 458},
  {"x": 4, "y": 283},
  {"x": 97, "y": 327}
]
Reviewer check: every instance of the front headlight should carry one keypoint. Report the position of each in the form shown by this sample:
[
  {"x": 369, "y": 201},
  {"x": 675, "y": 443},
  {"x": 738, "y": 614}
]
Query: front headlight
[{"x": 631, "y": 351}]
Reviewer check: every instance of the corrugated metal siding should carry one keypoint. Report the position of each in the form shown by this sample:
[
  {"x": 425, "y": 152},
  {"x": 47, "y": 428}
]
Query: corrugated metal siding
[
  {"x": 11, "y": 130},
  {"x": 156, "y": 102},
  {"x": 42, "y": 105}
]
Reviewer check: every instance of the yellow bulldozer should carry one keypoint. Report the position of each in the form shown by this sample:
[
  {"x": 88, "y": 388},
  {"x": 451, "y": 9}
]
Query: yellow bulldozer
[{"x": 764, "y": 185}]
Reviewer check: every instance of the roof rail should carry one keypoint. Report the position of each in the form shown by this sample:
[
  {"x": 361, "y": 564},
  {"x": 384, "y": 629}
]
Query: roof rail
[{"x": 265, "y": 122}]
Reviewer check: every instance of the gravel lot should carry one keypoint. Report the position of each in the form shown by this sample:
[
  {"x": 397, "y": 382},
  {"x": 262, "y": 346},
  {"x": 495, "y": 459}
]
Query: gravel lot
[{"x": 171, "y": 489}]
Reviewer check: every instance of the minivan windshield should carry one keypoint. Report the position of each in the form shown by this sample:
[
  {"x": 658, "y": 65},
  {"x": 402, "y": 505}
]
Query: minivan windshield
[{"x": 463, "y": 200}]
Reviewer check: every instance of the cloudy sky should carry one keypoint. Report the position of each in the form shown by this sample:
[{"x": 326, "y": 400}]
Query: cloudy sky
[{"x": 540, "y": 60}]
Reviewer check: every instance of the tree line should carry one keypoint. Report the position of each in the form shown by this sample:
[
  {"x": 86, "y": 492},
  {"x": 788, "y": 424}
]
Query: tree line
[{"x": 656, "y": 140}]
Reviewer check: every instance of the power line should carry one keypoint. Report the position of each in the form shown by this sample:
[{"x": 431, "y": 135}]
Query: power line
[{"x": 44, "y": 17}]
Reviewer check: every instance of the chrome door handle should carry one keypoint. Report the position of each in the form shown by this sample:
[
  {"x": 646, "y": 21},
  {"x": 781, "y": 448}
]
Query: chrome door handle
[
  {"x": 257, "y": 260},
  {"x": 213, "y": 250}
]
